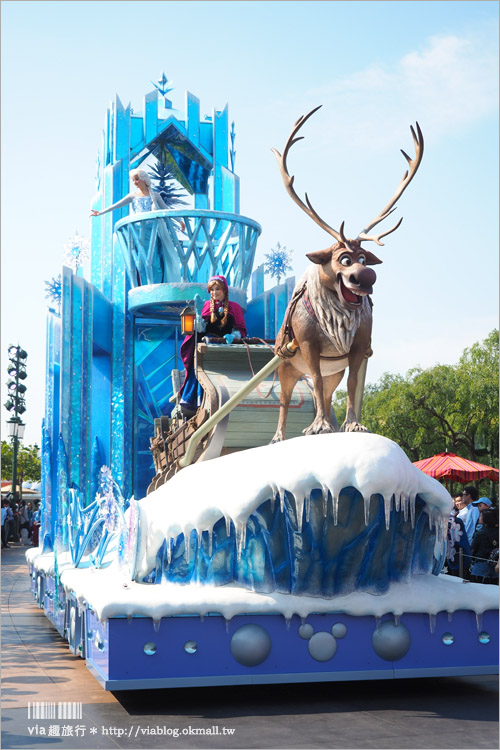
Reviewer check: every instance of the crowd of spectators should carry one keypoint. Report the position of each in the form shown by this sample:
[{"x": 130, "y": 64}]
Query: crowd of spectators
[
  {"x": 20, "y": 521},
  {"x": 473, "y": 538}
]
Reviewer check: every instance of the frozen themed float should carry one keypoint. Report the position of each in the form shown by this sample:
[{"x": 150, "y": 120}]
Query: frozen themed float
[{"x": 317, "y": 558}]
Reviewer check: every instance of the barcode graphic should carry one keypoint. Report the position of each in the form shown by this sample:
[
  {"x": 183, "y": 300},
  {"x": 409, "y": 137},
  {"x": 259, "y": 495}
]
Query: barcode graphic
[{"x": 53, "y": 710}]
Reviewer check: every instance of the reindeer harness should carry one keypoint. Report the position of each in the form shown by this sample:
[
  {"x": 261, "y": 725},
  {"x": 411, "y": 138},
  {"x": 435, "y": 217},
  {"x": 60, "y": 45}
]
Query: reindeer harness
[{"x": 282, "y": 350}]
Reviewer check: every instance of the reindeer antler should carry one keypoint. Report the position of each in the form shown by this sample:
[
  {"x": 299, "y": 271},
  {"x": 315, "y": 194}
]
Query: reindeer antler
[
  {"x": 288, "y": 181},
  {"x": 418, "y": 141}
]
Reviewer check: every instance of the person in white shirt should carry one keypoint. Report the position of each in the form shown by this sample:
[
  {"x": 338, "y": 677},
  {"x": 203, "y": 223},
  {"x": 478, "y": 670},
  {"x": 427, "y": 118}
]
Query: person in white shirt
[{"x": 470, "y": 513}]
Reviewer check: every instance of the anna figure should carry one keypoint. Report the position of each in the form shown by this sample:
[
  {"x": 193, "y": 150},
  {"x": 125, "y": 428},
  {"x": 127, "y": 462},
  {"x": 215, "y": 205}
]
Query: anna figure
[{"x": 221, "y": 318}]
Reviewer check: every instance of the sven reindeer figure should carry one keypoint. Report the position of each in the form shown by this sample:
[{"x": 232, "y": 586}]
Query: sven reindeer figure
[{"x": 329, "y": 315}]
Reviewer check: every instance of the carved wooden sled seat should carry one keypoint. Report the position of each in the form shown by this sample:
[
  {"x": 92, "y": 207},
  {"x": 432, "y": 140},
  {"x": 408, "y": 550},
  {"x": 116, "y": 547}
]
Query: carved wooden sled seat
[{"x": 222, "y": 371}]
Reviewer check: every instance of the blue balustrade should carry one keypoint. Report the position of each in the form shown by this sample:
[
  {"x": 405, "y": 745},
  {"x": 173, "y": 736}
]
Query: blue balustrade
[{"x": 157, "y": 251}]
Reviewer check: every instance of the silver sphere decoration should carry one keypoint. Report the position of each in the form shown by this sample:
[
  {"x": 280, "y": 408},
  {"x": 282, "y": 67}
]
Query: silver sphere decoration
[
  {"x": 251, "y": 645},
  {"x": 306, "y": 631},
  {"x": 191, "y": 647},
  {"x": 339, "y": 630},
  {"x": 322, "y": 646},
  {"x": 150, "y": 648},
  {"x": 484, "y": 637},
  {"x": 390, "y": 641},
  {"x": 448, "y": 639}
]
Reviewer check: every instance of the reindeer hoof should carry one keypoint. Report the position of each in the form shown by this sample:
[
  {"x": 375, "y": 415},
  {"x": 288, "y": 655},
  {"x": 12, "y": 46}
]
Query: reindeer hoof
[
  {"x": 318, "y": 428},
  {"x": 276, "y": 439},
  {"x": 353, "y": 427}
]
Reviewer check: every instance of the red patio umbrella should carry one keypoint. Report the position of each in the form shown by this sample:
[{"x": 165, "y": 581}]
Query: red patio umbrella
[{"x": 456, "y": 469}]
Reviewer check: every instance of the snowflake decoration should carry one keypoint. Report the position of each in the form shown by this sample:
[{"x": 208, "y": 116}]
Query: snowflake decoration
[
  {"x": 53, "y": 290},
  {"x": 76, "y": 252},
  {"x": 278, "y": 262}
]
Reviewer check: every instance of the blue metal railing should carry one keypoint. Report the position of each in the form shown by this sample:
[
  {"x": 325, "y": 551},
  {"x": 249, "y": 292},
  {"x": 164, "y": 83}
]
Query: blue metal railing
[{"x": 187, "y": 246}]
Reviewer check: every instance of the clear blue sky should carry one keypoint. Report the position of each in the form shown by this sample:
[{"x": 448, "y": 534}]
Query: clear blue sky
[{"x": 376, "y": 67}]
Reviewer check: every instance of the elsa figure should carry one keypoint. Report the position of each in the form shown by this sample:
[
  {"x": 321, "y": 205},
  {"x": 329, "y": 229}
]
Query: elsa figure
[{"x": 163, "y": 264}]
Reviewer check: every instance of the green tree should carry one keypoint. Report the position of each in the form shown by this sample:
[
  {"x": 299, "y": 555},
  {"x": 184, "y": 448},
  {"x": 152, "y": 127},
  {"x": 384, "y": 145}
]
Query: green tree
[
  {"x": 28, "y": 462},
  {"x": 480, "y": 373}
]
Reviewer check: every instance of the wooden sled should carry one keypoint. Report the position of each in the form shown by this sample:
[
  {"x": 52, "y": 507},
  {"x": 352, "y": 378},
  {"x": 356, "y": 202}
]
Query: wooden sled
[{"x": 222, "y": 371}]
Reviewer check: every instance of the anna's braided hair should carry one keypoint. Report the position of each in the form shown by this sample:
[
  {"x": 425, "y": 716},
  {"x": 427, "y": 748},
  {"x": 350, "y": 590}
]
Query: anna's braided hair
[{"x": 213, "y": 316}]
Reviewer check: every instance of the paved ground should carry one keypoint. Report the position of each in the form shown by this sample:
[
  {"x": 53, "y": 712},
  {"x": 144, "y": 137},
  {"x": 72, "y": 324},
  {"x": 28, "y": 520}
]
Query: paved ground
[{"x": 37, "y": 666}]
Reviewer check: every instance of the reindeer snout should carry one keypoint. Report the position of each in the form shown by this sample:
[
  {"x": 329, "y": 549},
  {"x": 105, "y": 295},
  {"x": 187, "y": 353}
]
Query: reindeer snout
[{"x": 364, "y": 278}]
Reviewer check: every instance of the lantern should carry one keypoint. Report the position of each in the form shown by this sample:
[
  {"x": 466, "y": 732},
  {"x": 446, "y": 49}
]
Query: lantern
[{"x": 188, "y": 316}]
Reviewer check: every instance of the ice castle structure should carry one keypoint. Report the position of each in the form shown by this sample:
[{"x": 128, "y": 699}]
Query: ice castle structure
[{"x": 113, "y": 345}]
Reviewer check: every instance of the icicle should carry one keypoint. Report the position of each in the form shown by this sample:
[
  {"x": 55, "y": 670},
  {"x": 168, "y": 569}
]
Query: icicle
[
  {"x": 187, "y": 547},
  {"x": 272, "y": 500},
  {"x": 367, "y": 509},
  {"x": 169, "y": 549},
  {"x": 308, "y": 508},
  {"x": 202, "y": 618},
  {"x": 479, "y": 621},
  {"x": 156, "y": 625},
  {"x": 287, "y": 622},
  {"x": 228, "y": 526},
  {"x": 335, "y": 503},
  {"x": 396, "y": 620},
  {"x": 412, "y": 510},
  {"x": 199, "y": 538},
  {"x": 441, "y": 535},
  {"x": 450, "y": 616},
  {"x": 432, "y": 622},
  {"x": 325, "y": 503},
  {"x": 302, "y": 620},
  {"x": 378, "y": 620},
  {"x": 430, "y": 519},
  {"x": 387, "y": 510},
  {"x": 227, "y": 625},
  {"x": 397, "y": 503},
  {"x": 210, "y": 542},
  {"x": 282, "y": 500},
  {"x": 241, "y": 530},
  {"x": 299, "y": 505},
  {"x": 405, "y": 507},
  {"x": 129, "y": 619}
]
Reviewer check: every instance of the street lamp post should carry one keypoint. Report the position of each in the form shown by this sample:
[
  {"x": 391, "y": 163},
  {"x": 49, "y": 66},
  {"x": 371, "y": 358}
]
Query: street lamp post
[
  {"x": 15, "y": 430},
  {"x": 15, "y": 403}
]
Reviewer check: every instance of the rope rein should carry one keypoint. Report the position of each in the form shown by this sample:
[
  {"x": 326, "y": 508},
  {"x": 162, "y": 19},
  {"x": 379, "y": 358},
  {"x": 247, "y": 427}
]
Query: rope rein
[
  {"x": 282, "y": 350},
  {"x": 252, "y": 370}
]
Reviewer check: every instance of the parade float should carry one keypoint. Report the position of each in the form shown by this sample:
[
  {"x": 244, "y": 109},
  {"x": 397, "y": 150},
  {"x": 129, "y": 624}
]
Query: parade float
[{"x": 182, "y": 551}]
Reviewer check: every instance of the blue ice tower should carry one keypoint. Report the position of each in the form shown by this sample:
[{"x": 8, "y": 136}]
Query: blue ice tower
[{"x": 112, "y": 348}]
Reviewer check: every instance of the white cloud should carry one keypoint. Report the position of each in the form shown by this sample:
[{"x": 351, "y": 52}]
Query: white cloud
[
  {"x": 455, "y": 82},
  {"x": 449, "y": 84}
]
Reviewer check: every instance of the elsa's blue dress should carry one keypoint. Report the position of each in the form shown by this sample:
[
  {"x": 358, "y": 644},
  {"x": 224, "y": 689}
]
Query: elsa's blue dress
[{"x": 142, "y": 204}]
